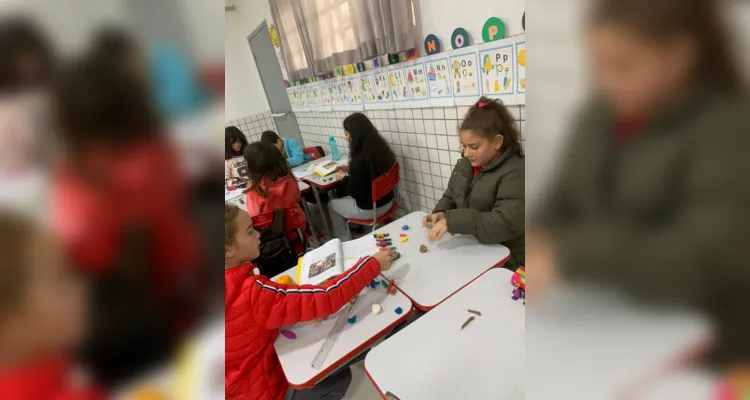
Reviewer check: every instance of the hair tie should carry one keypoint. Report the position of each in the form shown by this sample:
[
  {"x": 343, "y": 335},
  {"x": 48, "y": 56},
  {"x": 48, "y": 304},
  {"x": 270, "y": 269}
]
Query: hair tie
[{"x": 481, "y": 105}]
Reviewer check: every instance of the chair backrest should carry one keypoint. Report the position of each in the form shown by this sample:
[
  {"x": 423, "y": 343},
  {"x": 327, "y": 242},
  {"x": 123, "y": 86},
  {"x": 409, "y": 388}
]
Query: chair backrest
[
  {"x": 293, "y": 219},
  {"x": 312, "y": 153},
  {"x": 385, "y": 183}
]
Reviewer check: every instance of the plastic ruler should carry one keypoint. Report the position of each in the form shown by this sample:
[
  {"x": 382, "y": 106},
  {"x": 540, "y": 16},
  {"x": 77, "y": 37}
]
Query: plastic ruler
[{"x": 332, "y": 337}]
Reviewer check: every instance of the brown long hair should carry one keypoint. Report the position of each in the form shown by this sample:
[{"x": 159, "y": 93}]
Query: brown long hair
[
  {"x": 661, "y": 20},
  {"x": 489, "y": 118},
  {"x": 265, "y": 164}
]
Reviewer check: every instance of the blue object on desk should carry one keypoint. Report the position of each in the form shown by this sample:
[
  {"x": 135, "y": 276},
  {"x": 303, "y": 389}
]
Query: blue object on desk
[
  {"x": 399, "y": 310},
  {"x": 335, "y": 154},
  {"x": 352, "y": 319}
]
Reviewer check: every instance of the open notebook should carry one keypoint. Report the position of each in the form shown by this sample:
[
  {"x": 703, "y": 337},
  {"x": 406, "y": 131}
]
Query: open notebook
[
  {"x": 325, "y": 168},
  {"x": 332, "y": 259}
]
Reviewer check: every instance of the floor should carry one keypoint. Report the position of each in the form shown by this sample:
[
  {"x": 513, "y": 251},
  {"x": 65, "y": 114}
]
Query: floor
[{"x": 361, "y": 387}]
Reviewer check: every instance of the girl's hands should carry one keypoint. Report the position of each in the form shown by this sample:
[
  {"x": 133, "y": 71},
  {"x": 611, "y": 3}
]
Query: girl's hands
[
  {"x": 439, "y": 229},
  {"x": 385, "y": 258},
  {"x": 340, "y": 175},
  {"x": 433, "y": 218}
]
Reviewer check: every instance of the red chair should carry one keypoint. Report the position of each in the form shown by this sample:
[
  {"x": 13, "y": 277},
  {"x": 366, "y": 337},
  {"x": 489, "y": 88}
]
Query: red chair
[
  {"x": 294, "y": 227},
  {"x": 381, "y": 186},
  {"x": 314, "y": 153}
]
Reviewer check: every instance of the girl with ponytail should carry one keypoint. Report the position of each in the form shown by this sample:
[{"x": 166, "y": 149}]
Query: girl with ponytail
[{"x": 485, "y": 194}]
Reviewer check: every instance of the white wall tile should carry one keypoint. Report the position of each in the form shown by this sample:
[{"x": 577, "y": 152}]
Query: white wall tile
[{"x": 437, "y": 113}]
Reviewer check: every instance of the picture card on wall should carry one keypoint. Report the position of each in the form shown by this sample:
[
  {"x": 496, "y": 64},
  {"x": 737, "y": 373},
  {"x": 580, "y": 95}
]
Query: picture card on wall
[
  {"x": 324, "y": 100},
  {"x": 333, "y": 90},
  {"x": 497, "y": 70},
  {"x": 464, "y": 77},
  {"x": 416, "y": 78},
  {"x": 439, "y": 81},
  {"x": 521, "y": 71},
  {"x": 398, "y": 87},
  {"x": 382, "y": 87}
]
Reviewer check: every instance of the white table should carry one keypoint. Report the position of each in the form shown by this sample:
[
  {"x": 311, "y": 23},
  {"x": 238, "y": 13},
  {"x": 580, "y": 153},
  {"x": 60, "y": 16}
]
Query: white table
[
  {"x": 592, "y": 343},
  {"x": 236, "y": 196},
  {"x": 434, "y": 359},
  {"x": 296, "y": 356},
  {"x": 449, "y": 264}
]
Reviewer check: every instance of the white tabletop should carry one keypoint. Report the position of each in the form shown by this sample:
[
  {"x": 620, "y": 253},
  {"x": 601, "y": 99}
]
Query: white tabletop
[
  {"x": 305, "y": 171},
  {"x": 297, "y": 355},
  {"x": 434, "y": 359},
  {"x": 450, "y": 264},
  {"x": 592, "y": 343}
]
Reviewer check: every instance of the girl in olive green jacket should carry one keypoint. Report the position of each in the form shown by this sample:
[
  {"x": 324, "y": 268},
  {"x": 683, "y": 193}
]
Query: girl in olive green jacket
[{"x": 485, "y": 195}]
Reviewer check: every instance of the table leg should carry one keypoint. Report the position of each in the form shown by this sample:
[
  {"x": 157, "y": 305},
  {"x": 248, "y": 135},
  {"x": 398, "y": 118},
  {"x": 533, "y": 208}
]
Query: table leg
[
  {"x": 322, "y": 213},
  {"x": 312, "y": 226}
]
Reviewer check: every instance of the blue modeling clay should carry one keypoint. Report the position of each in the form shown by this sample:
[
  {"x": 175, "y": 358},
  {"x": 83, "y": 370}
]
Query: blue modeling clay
[
  {"x": 405, "y": 227},
  {"x": 399, "y": 310},
  {"x": 352, "y": 319}
]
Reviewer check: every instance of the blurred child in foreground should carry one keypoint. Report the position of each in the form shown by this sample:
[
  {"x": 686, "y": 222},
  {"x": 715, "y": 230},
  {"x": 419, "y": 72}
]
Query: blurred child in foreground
[
  {"x": 256, "y": 307},
  {"x": 120, "y": 206},
  {"x": 653, "y": 193},
  {"x": 42, "y": 316}
]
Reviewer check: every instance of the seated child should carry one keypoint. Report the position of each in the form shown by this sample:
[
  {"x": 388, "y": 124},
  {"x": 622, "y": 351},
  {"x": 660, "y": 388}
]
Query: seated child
[
  {"x": 42, "y": 312},
  {"x": 291, "y": 150},
  {"x": 256, "y": 307},
  {"x": 485, "y": 195},
  {"x": 235, "y": 166},
  {"x": 272, "y": 184}
]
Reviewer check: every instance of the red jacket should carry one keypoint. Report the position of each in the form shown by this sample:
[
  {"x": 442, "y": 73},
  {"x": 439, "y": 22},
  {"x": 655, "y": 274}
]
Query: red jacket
[
  {"x": 256, "y": 307},
  {"x": 283, "y": 193},
  {"x": 46, "y": 379}
]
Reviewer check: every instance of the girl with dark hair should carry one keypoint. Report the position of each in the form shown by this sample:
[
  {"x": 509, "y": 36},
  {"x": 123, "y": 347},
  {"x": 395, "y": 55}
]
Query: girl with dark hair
[
  {"x": 235, "y": 166},
  {"x": 369, "y": 157},
  {"x": 485, "y": 196},
  {"x": 652, "y": 195},
  {"x": 272, "y": 184}
]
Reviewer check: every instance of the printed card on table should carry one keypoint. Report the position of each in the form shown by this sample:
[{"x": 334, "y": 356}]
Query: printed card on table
[
  {"x": 465, "y": 80},
  {"x": 399, "y": 90},
  {"x": 439, "y": 82},
  {"x": 498, "y": 71},
  {"x": 416, "y": 78}
]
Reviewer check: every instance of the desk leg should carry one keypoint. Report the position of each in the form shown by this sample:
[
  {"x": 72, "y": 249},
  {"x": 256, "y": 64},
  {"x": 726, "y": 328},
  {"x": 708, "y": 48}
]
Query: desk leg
[
  {"x": 312, "y": 226},
  {"x": 322, "y": 213}
]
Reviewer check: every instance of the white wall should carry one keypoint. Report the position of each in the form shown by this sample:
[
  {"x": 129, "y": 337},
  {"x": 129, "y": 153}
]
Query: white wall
[
  {"x": 244, "y": 93},
  {"x": 441, "y": 17}
]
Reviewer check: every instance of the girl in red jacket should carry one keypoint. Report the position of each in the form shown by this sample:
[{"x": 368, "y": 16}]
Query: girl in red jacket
[
  {"x": 272, "y": 184},
  {"x": 256, "y": 307}
]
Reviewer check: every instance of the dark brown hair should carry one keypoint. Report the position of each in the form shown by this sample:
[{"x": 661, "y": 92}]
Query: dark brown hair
[
  {"x": 663, "y": 20},
  {"x": 22, "y": 37},
  {"x": 489, "y": 118},
  {"x": 367, "y": 146},
  {"x": 232, "y": 135},
  {"x": 265, "y": 164},
  {"x": 230, "y": 223},
  {"x": 15, "y": 236}
]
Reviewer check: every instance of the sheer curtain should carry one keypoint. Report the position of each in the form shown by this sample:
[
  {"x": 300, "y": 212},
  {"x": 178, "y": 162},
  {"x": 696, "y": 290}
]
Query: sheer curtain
[{"x": 318, "y": 35}]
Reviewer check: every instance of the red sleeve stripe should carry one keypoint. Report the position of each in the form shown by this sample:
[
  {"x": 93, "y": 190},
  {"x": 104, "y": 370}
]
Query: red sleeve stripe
[{"x": 358, "y": 268}]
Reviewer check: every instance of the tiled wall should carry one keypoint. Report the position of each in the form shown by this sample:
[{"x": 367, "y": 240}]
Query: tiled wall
[
  {"x": 425, "y": 142},
  {"x": 253, "y": 125}
]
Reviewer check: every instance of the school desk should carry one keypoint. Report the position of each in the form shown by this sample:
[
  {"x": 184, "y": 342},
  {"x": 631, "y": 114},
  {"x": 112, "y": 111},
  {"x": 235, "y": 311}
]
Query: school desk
[
  {"x": 237, "y": 196},
  {"x": 296, "y": 355},
  {"x": 595, "y": 343},
  {"x": 305, "y": 173},
  {"x": 433, "y": 358},
  {"x": 429, "y": 278}
]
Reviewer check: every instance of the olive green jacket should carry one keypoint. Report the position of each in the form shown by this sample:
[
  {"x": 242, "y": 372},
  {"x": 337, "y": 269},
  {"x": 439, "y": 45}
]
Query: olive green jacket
[
  {"x": 491, "y": 206},
  {"x": 665, "y": 216}
]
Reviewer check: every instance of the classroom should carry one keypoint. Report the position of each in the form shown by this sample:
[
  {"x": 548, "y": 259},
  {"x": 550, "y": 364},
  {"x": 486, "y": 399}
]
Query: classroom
[{"x": 405, "y": 103}]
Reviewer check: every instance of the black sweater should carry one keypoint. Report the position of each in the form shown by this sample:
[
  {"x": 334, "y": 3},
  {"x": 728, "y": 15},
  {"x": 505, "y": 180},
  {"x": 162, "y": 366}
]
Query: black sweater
[{"x": 359, "y": 185}]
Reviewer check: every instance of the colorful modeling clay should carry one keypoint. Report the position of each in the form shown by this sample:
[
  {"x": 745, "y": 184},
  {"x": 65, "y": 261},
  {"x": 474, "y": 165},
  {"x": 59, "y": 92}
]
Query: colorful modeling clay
[
  {"x": 423, "y": 249},
  {"x": 376, "y": 309},
  {"x": 405, "y": 227},
  {"x": 352, "y": 319},
  {"x": 403, "y": 239},
  {"x": 288, "y": 334},
  {"x": 399, "y": 310},
  {"x": 402, "y": 234}
]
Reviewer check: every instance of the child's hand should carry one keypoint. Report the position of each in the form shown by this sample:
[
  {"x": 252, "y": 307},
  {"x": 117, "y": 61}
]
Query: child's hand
[
  {"x": 439, "y": 229},
  {"x": 342, "y": 168},
  {"x": 340, "y": 175},
  {"x": 385, "y": 258},
  {"x": 433, "y": 218}
]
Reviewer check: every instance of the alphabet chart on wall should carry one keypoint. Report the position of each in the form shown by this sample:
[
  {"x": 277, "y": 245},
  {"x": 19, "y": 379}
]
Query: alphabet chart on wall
[
  {"x": 464, "y": 76},
  {"x": 416, "y": 77},
  {"x": 439, "y": 81},
  {"x": 497, "y": 70}
]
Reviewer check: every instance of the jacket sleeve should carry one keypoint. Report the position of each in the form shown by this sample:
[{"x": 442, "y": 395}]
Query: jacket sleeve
[
  {"x": 274, "y": 305},
  {"x": 294, "y": 153},
  {"x": 506, "y": 220},
  {"x": 227, "y": 171}
]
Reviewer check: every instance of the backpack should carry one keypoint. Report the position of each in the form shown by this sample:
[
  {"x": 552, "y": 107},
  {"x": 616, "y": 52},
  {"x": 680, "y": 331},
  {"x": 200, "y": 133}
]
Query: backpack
[{"x": 276, "y": 248}]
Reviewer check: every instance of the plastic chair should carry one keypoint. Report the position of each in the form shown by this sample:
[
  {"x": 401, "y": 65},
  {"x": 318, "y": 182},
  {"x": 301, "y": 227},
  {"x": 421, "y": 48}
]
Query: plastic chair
[
  {"x": 381, "y": 186},
  {"x": 314, "y": 153}
]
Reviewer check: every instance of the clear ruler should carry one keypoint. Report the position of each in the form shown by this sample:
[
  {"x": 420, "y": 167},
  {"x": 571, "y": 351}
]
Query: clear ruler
[{"x": 331, "y": 338}]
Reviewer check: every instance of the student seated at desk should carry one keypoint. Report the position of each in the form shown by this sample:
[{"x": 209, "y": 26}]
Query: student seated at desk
[
  {"x": 235, "y": 166},
  {"x": 369, "y": 157},
  {"x": 485, "y": 195},
  {"x": 256, "y": 307},
  {"x": 291, "y": 150},
  {"x": 272, "y": 184}
]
